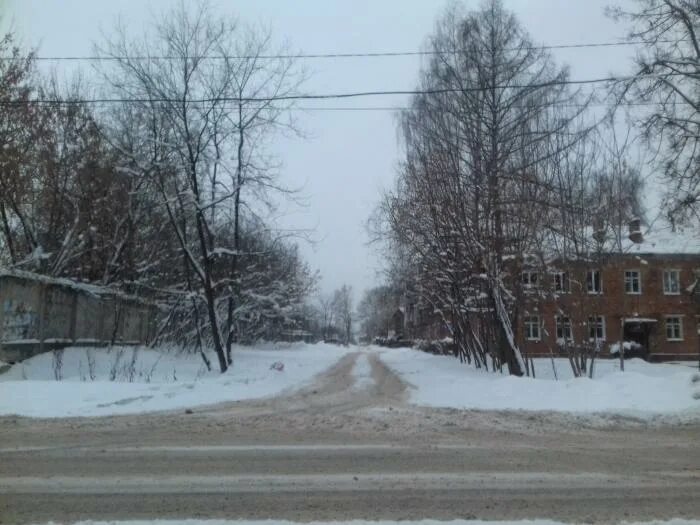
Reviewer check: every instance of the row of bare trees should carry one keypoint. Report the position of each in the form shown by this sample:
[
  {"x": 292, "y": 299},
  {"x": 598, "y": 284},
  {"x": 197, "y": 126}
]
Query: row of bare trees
[
  {"x": 505, "y": 169},
  {"x": 165, "y": 192},
  {"x": 335, "y": 317}
]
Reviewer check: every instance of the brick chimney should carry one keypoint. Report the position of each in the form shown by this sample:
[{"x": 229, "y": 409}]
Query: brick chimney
[
  {"x": 599, "y": 231},
  {"x": 635, "y": 227}
]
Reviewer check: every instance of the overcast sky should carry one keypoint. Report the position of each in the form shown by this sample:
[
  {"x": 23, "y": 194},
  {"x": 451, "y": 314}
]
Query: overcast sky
[{"x": 349, "y": 155}]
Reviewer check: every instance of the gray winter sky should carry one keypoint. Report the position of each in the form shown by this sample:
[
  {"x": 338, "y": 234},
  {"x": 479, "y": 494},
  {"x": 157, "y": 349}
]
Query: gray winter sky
[{"x": 349, "y": 155}]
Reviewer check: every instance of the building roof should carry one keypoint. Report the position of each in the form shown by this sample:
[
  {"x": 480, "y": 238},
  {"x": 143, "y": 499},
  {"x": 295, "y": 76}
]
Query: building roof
[
  {"x": 664, "y": 240},
  {"x": 659, "y": 239}
]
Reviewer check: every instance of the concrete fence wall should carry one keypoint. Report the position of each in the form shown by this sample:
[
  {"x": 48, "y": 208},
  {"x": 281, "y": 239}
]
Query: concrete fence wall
[{"x": 39, "y": 314}]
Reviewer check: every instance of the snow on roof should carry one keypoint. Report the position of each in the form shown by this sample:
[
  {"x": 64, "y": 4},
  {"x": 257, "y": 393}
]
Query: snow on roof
[
  {"x": 659, "y": 239},
  {"x": 662, "y": 239}
]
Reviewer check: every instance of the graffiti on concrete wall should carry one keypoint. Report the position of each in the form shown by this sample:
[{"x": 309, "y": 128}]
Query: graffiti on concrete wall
[{"x": 19, "y": 321}]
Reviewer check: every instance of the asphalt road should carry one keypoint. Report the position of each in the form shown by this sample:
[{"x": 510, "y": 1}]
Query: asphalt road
[{"x": 335, "y": 451}]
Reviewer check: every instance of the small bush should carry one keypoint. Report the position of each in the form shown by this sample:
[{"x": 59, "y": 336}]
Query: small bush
[{"x": 57, "y": 363}]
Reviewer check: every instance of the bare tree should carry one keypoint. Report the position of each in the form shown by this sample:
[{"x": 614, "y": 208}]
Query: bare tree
[
  {"x": 473, "y": 188},
  {"x": 325, "y": 308},
  {"x": 667, "y": 78},
  {"x": 342, "y": 308},
  {"x": 206, "y": 111}
]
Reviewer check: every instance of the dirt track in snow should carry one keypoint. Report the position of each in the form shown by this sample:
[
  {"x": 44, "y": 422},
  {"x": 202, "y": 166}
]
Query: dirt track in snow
[{"x": 344, "y": 448}]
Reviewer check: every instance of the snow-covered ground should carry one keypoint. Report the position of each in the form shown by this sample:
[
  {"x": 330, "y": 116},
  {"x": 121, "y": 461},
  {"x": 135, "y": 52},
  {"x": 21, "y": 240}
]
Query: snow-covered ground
[
  {"x": 98, "y": 382},
  {"x": 644, "y": 390},
  {"x": 362, "y": 373}
]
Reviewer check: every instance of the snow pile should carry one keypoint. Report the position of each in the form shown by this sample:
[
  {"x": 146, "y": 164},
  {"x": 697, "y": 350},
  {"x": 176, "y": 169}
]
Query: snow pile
[
  {"x": 644, "y": 390},
  {"x": 102, "y": 382}
]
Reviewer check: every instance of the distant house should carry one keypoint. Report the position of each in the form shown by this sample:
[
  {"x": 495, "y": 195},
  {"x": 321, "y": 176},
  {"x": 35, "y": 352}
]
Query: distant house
[
  {"x": 643, "y": 295},
  {"x": 396, "y": 324},
  {"x": 296, "y": 336},
  {"x": 39, "y": 313},
  {"x": 423, "y": 322}
]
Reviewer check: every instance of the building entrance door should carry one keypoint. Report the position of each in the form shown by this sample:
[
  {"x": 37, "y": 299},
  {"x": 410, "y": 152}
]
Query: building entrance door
[{"x": 637, "y": 333}]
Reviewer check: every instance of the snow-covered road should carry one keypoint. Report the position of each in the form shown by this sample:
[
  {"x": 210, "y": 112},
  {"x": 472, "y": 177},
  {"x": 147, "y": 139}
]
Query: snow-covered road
[{"x": 342, "y": 445}]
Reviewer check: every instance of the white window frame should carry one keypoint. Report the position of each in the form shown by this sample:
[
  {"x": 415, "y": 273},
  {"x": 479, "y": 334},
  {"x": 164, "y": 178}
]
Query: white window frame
[
  {"x": 530, "y": 321},
  {"x": 590, "y": 282},
  {"x": 677, "y": 273},
  {"x": 598, "y": 320},
  {"x": 631, "y": 281},
  {"x": 562, "y": 278},
  {"x": 680, "y": 328},
  {"x": 527, "y": 279},
  {"x": 570, "y": 325}
]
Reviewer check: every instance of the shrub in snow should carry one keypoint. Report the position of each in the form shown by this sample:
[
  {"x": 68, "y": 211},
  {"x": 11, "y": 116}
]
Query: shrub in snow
[
  {"x": 57, "y": 364},
  {"x": 627, "y": 345},
  {"x": 695, "y": 378}
]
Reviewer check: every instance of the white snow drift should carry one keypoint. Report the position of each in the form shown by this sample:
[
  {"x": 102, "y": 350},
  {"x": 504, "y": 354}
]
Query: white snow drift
[
  {"x": 98, "y": 382},
  {"x": 644, "y": 390}
]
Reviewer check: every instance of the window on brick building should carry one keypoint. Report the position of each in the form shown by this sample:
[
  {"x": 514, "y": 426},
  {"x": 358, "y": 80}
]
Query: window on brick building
[
  {"x": 672, "y": 282},
  {"x": 564, "y": 332},
  {"x": 561, "y": 282},
  {"x": 633, "y": 282},
  {"x": 532, "y": 328},
  {"x": 529, "y": 279},
  {"x": 594, "y": 283},
  {"x": 596, "y": 328},
  {"x": 674, "y": 328}
]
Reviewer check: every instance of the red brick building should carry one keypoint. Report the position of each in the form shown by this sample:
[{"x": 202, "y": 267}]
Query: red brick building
[{"x": 644, "y": 295}]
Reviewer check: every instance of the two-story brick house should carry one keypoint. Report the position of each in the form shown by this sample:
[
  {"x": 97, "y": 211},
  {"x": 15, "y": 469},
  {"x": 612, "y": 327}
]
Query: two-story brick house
[{"x": 643, "y": 296}]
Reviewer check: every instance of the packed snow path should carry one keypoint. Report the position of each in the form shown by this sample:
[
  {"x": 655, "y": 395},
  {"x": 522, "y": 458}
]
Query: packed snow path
[{"x": 348, "y": 445}]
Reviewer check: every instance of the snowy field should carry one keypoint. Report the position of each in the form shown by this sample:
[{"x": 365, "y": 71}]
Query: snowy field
[
  {"x": 98, "y": 382},
  {"x": 644, "y": 390}
]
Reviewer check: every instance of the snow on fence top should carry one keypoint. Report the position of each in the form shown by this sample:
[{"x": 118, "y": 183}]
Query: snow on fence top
[{"x": 91, "y": 289}]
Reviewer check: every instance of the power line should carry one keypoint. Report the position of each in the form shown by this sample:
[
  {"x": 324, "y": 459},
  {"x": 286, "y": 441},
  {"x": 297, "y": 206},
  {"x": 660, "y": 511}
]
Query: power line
[
  {"x": 332, "y": 96},
  {"x": 384, "y": 54},
  {"x": 408, "y": 108}
]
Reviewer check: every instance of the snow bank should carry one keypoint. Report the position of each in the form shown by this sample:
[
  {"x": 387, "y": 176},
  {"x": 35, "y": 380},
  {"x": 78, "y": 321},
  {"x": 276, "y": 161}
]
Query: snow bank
[
  {"x": 644, "y": 390},
  {"x": 102, "y": 382}
]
